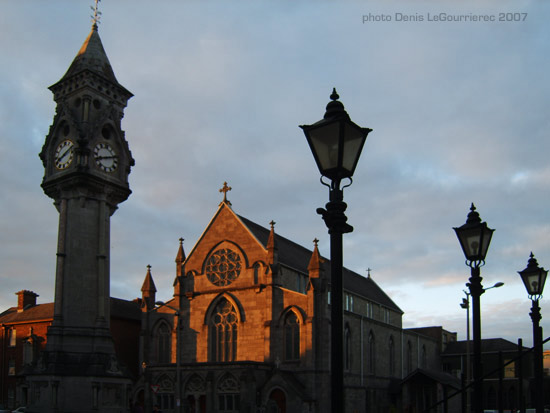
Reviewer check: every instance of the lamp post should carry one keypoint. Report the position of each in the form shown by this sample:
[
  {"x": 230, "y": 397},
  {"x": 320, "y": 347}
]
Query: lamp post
[
  {"x": 336, "y": 143},
  {"x": 474, "y": 237},
  {"x": 466, "y": 305},
  {"x": 178, "y": 354},
  {"x": 533, "y": 278}
]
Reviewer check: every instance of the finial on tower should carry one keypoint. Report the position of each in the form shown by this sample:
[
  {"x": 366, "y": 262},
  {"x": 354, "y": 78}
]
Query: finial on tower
[{"x": 97, "y": 14}]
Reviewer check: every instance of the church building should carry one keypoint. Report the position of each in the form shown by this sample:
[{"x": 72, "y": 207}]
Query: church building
[{"x": 248, "y": 329}]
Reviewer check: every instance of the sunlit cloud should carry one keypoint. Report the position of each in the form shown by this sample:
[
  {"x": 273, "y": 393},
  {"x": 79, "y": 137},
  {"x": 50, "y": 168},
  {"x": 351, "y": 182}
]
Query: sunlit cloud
[{"x": 459, "y": 114}]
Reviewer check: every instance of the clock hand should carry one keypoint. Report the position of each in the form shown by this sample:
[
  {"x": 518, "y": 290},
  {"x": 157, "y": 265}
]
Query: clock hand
[
  {"x": 67, "y": 151},
  {"x": 106, "y": 157}
]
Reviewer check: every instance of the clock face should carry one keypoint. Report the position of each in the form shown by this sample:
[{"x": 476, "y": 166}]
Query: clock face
[
  {"x": 105, "y": 157},
  {"x": 64, "y": 154}
]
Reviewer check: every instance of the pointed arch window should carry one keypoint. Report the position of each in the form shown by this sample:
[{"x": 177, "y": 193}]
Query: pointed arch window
[
  {"x": 347, "y": 348},
  {"x": 257, "y": 269},
  {"x": 292, "y": 336},
  {"x": 372, "y": 353},
  {"x": 223, "y": 332},
  {"x": 392, "y": 357},
  {"x": 162, "y": 344},
  {"x": 409, "y": 357}
]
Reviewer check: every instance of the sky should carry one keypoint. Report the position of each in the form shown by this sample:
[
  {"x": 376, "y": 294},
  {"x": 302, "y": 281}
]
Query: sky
[{"x": 459, "y": 112}]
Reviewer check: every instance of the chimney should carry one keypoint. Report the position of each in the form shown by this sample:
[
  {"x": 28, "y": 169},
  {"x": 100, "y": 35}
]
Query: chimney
[{"x": 25, "y": 298}]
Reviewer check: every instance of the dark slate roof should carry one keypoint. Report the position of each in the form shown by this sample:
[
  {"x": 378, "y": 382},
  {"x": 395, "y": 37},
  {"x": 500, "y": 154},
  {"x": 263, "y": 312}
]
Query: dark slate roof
[
  {"x": 437, "y": 376},
  {"x": 488, "y": 345},
  {"x": 125, "y": 309},
  {"x": 297, "y": 257},
  {"x": 119, "y": 309},
  {"x": 92, "y": 56},
  {"x": 290, "y": 254}
]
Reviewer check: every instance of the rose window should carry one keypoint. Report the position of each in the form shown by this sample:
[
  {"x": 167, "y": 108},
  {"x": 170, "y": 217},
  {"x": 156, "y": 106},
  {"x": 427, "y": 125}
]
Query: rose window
[{"x": 223, "y": 267}]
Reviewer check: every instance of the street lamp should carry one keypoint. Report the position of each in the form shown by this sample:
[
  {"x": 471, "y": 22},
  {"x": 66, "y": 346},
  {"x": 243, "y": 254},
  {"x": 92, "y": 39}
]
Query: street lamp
[
  {"x": 534, "y": 278},
  {"x": 336, "y": 143},
  {"x": 466, "y": 305},
  {"x": 178, "y": 353},
  {"x": 474, "y": 237}
]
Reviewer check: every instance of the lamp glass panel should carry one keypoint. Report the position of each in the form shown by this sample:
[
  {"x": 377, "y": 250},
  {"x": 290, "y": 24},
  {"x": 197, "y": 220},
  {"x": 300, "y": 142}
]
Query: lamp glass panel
[
  {"x": 533, "y": 281},
  {"x": 543, "y": 276},
  {"x": 324, "y": 141},
  {"x": 472, "y": 244},
  {"x": 485, "y": 240},
  {"x": 353, "y": 143},
  {"x": 475, "y": 240}
]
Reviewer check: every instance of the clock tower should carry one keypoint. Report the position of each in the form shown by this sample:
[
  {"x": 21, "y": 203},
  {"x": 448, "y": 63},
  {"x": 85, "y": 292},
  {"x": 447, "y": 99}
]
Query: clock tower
[{"x": 87, "y": 162}]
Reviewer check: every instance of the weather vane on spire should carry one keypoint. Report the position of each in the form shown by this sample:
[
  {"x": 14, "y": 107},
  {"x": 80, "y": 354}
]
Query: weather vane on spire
[{"x": 97, "y": 13}]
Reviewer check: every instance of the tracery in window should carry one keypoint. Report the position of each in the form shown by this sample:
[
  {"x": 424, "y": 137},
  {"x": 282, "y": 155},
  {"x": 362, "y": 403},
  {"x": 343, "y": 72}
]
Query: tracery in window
[
  {"x": 223, "y": 267},
  {"x": 223, "y": 332},
  {"x": 228, "y": 394},
  {"x": 196, "y": 384},
  {"x": 162, "y": 338},
  {"x": 292, "y": 336},
  {"x": 195, "y": 390}
]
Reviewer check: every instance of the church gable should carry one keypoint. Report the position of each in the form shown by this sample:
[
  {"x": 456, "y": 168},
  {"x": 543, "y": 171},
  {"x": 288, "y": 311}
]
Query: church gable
[{"x": 226, "y": 254}]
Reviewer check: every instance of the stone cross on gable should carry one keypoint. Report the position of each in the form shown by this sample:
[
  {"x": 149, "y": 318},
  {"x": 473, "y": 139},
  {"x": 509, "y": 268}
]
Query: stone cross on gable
[{"x": 225, "y": 189}]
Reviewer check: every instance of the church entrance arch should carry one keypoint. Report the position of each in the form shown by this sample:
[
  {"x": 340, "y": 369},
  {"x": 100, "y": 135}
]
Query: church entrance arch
[
  {"x": 196, "y": 394},
  {"x": 276, "y": 402}
]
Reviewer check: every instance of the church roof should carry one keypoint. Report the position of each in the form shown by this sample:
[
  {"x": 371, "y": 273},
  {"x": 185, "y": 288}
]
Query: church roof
[{"x": 297, "y": 257}]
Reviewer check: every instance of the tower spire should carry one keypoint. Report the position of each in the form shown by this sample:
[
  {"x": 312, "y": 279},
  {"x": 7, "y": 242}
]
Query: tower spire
[
  {"x": 314, "y": 266},
  {"x": 180, "y": 258},
  {"x": 272, "y": 245}
]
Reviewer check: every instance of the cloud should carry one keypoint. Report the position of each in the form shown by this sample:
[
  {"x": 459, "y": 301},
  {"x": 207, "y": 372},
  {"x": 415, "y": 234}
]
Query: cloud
[{"x": 459, "y": 113}]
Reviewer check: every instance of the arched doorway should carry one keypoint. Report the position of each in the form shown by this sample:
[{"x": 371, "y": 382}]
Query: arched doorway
[{"x": 277, "y": 402}]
